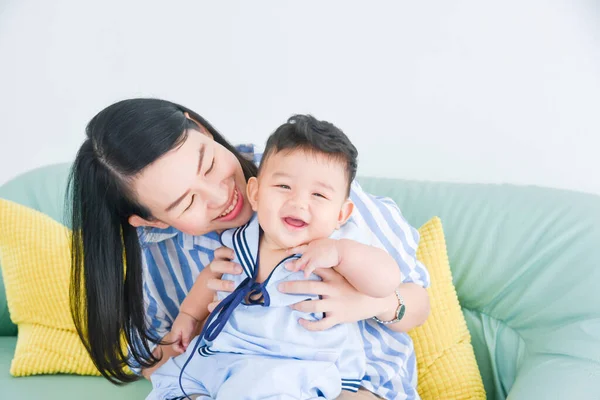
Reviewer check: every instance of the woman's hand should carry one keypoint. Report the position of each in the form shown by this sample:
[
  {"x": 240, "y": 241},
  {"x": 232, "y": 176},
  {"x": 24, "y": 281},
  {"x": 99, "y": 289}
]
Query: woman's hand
[
  {"x": 340, "y": 301},
  {"x": 222, "y": 264}
]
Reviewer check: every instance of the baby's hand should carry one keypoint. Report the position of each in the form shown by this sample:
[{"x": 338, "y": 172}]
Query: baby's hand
[
  {"x": 182, "y": 331},
  {"x": 322, "y": 253}
]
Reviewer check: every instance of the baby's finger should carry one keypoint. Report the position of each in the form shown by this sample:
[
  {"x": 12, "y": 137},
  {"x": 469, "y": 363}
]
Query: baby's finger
[
  {"x": 301, "y": 263},
  {"x": 291, "y": 265},
  {"x": 177, "y": 347},
  {"x": 185, "y": 341},
  {"x": 309, "y": 270}
]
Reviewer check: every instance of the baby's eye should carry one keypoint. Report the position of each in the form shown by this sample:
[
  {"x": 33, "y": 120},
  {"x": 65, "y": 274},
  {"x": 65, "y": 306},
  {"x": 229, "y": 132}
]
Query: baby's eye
[
  {"x": 283, "y": 186},
  {"x": 319, "y": 195}
]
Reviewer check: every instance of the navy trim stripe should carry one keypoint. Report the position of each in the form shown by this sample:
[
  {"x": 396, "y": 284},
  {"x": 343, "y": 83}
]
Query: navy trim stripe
[{"x": 241, "y": 251}]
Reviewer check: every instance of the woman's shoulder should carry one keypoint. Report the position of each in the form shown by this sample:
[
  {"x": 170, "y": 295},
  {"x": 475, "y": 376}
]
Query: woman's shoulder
[
  {"x": 251, "y": 151},
  {"x": 381, "y": 215},
  {"x": 151, "y": 237}
]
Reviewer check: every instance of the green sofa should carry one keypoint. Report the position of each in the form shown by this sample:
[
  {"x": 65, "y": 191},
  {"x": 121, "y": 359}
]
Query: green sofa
[{"x": 526, "y": 265}]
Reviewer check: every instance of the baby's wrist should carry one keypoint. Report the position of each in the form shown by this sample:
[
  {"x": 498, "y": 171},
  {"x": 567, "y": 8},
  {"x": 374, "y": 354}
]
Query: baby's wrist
[
  {"x": 341, "y": 246},
  {"x": 187, "y": 314}
]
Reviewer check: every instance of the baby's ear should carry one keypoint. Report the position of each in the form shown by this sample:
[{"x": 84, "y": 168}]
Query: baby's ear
[
  {"x": 252, "y": 192},
  {"x": 345, "y": 212}
]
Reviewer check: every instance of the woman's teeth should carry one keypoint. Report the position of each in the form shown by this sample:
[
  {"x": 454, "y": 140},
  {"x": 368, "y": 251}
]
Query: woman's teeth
[{"x": 232, "y": 205}]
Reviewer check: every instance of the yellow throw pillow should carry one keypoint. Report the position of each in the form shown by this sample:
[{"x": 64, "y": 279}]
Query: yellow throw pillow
[
  {"x": 445, "y": 356},
  {"x": 35, "y": 259}
]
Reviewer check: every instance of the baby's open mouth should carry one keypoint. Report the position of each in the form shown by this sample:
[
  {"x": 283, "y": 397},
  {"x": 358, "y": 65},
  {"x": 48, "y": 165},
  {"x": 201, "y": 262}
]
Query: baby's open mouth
[{"x": 294, "y": 222}]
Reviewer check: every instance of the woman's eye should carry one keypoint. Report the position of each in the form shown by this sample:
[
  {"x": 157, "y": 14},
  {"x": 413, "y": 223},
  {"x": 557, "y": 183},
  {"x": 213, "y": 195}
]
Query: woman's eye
[
  {"x": 212, "y": 164},
  {"x": 191, "y": 202}
]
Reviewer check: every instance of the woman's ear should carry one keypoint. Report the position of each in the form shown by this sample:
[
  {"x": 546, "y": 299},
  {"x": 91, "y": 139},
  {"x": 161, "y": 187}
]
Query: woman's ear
[
  {"x": 203, "y": 130},
  {"x": 345, "y": 212},
  {"x": 252, "y": 192},
  {"x": 136, "y": 221}
]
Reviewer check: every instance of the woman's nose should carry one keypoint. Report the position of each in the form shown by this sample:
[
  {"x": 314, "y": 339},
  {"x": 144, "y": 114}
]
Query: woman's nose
[{"x": 215, "y": 195}]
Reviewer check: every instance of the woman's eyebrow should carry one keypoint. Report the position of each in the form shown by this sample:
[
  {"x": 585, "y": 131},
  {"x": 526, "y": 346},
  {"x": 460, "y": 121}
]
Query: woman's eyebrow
[{"x": 180, "y": 198}]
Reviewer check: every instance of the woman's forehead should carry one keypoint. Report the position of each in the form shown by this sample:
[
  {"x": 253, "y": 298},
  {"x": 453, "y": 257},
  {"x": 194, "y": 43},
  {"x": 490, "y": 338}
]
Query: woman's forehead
[{"x": 163, "y": 181}]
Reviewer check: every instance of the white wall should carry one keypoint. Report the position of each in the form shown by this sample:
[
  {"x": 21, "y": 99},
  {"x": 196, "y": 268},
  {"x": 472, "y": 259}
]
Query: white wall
[{"x": 463, "y": 90}]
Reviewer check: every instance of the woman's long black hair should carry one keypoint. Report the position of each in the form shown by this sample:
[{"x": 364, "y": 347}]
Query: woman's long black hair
[{"x": 107, "y": 301}]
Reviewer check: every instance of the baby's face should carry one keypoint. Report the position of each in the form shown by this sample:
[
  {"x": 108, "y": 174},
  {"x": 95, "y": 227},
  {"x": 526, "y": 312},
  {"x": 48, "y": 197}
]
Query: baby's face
[{"x": 299, "y": 197}]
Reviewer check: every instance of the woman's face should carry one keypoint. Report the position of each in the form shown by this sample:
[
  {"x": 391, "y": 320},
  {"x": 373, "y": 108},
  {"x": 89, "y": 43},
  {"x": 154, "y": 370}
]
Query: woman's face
[{"x": 196, "y": 188}]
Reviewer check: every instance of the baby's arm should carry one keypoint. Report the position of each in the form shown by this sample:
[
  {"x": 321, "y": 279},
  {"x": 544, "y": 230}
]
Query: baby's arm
[
  {"x": 369, "y": 269},
  {"x": 193, "y": 310}
]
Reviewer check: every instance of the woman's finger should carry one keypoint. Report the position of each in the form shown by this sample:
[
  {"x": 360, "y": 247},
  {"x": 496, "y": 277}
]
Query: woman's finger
[
  {"x": 320, "y": 325},
  {"x": 220, "y": 285},
  {"x": 313, "y": 306},
  {"x": 328, "y": 274},
  {"x": 305, "y": 287},
  {"x": 225, "y": 267},
  {"x": 224, "y": 253}
]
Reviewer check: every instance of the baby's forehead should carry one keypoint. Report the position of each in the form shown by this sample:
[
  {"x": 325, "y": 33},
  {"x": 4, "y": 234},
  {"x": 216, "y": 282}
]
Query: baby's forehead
[
  {"x": 310, "y": 156},
  {"x": 333, "y": 170}
]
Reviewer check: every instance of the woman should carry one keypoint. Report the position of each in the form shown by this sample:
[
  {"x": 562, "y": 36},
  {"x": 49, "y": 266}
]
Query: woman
[{"x": 151, "y": 186}]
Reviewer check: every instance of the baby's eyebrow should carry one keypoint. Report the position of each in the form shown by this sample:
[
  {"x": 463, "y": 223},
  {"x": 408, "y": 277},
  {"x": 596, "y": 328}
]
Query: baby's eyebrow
[
  {"x": 326, "y": 186},
  {"x": 281, "y": 175}
]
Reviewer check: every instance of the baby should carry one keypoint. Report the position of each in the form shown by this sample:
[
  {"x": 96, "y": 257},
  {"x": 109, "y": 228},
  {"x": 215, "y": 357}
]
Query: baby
[{"x": 252, "y": 346}]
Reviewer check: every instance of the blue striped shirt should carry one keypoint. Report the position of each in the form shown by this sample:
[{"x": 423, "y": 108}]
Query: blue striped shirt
[{"x": 174, "y": 259}]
